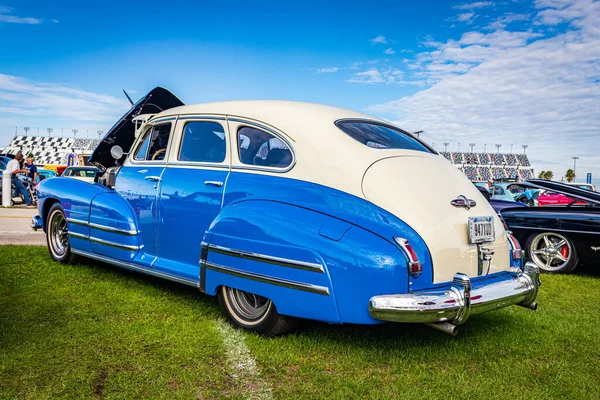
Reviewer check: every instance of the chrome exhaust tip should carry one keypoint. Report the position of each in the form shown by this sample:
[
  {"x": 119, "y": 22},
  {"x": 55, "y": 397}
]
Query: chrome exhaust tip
[
  {"x": 445, "y": 327},
  {"x": 532, "y": 306}
]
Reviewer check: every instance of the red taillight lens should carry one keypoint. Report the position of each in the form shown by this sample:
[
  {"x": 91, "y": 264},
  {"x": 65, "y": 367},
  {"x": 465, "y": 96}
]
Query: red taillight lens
[
  {"x": 415, "y": 268},
  {"x": 517, "y": 253}
]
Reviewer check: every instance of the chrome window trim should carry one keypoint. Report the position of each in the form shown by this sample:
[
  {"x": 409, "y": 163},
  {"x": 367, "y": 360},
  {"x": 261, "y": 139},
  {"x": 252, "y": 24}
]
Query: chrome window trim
[
  {"x": 305, "y": 287},
  {"x": 130, "y": 232},
  {"x": 252, "y": 124},
  {"x": 137, "y": 144},
  {"x": 284, "y": 262},
  {"x": 194, "y": 116},
  {"x": 136, "y": 268},
  {"x": 196, "y": 165},
  {"x": 387, "y": 125},
  {"x": 160, "y": 120},
  {"x": 222, "y": 164},
  {"x": 114, "y": 244}
]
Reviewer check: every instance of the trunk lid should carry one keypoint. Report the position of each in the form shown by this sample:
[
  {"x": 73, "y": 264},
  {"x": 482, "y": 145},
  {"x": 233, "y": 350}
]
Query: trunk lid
[
  {"x": 123, "y": 132},
  {"x": 418, "y": 188}
]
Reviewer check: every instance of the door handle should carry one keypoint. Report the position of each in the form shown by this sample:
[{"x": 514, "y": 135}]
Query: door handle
[
  {"x": 152, "y": 178},
  {"x": 213, "y": 183}
]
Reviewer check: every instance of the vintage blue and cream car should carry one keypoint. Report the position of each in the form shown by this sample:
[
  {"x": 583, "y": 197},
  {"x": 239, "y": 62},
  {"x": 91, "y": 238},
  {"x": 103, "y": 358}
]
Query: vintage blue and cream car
[{"x": 288, "y": 210}]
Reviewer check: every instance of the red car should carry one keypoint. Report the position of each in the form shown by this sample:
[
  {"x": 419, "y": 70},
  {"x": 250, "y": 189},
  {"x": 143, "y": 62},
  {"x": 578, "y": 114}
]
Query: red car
[{"x": 555, "y": 199}]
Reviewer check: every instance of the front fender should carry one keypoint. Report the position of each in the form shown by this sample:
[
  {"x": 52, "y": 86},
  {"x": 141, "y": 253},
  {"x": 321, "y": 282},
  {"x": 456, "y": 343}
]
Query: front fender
[{"x": 310, "y": 264}]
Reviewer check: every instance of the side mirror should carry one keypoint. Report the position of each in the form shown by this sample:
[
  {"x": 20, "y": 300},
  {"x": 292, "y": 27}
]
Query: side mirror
[{"x": 116, "y": 152}]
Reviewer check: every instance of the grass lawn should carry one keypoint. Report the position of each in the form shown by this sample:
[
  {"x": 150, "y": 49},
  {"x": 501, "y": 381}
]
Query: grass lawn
[{"x": 93, "y": 330}]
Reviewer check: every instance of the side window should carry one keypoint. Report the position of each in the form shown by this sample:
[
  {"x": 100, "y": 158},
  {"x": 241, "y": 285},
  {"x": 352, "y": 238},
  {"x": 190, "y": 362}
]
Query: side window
[
  {"x": 154, "y": 145},
  {"x": 256, "y": 147},
  {"x": 203, "y": 142}
]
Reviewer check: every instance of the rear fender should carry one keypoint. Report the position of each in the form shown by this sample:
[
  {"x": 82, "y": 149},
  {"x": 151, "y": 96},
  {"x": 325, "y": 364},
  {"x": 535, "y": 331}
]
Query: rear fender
[{"x": 309, "y": 264}]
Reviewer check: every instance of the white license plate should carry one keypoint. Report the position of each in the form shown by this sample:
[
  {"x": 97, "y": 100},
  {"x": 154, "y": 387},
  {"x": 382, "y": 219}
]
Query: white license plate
[{"x": 481, "y": 229}]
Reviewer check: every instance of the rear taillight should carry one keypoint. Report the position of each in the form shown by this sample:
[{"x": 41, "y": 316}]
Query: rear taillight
[
  {"x": 515, "y": 247},
  {"x": 414, "y": 265}
]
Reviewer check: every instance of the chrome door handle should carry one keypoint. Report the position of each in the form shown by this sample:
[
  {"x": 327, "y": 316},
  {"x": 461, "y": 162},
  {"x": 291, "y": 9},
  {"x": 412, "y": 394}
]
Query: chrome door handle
[
  {"x": 152, "y": 178},
  {"x": 213, "y": 183}
]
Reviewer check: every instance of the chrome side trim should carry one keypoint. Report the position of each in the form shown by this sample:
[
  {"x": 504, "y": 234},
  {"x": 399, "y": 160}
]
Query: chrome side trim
[
  {"x": 553, "y": 229},
  {"x": 78, "y": 235},
  {"x": 284, "y": 262},
  {"x": 127, "y": 232},
  {"x": 77, "y": 221},
  {"x": 196, "y": 165},
  {"x": 114, "y": 244},
  {"x": 105, "y": 228},
  {"x": 305, "y": 287},
  {"x": 136, "y": 268}
]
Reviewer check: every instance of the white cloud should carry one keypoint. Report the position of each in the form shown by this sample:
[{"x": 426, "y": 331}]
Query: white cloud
[
  {"x": 22, "y": 97},
  {"x": 327, "y": 70},
  {"x": 465, "y": 17},
  {"x": 515, "y": 87},
  {"x": 379, "y": 40},
  {"x": 369, "y": 76},
  {"x": 505, "y": 20},
  {"x": 388, "y": 75},
  {"x": 7, "y": 17},
  {"x": 472, "y": 6},
  {"x": 389, "y": 51}
]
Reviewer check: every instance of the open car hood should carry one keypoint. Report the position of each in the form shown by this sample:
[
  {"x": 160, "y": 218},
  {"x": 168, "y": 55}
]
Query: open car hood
[
  {"x": 123, "y": 132},
  {"x": 562, "y": 188}
]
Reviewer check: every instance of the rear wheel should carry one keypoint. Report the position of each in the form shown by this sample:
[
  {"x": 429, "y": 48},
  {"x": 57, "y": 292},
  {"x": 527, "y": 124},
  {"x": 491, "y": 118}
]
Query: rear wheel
[
  {"x": 552, "y": 252},
  {"x": 57, "y": 235},
  {"x": 254, "y": 313}
]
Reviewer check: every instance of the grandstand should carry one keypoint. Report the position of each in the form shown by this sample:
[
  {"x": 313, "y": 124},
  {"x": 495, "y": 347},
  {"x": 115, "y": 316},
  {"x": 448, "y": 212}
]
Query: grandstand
[
  {"x": 50, "y": 150},
  {"x": 491, "y": 166}
]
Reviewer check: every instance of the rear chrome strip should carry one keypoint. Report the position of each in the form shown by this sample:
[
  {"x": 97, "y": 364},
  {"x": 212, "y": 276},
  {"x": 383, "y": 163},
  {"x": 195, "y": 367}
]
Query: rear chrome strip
[
  {"x": 127, "y": 232},
  {"x": 305, "y": 287},
  {"x": 114, "y": 244},
  {"x": 284, "y": 262},
  {"x": 554, "y": 230},
  {"x": 136, "y": 268}
]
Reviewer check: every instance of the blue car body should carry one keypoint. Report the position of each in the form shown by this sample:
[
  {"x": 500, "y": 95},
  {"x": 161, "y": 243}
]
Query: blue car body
[{"x": 315, "y": 251}]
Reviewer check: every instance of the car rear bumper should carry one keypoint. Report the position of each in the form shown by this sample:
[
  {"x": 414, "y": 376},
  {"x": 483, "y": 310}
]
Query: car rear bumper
[{"x": 458, "y": 302}]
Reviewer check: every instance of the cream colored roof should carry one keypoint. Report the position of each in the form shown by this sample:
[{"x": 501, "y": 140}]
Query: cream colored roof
[{"x": 325, "y": 154}]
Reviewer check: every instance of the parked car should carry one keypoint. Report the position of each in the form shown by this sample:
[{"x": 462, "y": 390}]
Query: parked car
[
  {"x": 289, "y": 210},
  {"x": 87, "y": 174},
  {"x": 587, "y": 186},
  {"x": 550, "y": 198},
  {"x": 558, "y": 238},
  {"x": 46, "y": 173},
  {"x": 511, "y": 191}
]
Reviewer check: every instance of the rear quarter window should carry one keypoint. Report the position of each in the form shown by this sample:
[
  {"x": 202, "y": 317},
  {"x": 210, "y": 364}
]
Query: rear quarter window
[{"x": 379, "y": 136}]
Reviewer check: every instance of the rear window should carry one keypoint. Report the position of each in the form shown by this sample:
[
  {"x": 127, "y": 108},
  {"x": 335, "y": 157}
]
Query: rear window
[{"x": 381, "y": 136}]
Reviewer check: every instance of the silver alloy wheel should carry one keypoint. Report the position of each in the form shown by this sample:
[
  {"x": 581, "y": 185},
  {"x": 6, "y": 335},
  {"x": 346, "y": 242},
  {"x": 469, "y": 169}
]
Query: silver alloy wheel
[
  {"x": 249, "y": 306},
  {"x": 59, "y": 235},
  {"x": 551, "y": 251}
]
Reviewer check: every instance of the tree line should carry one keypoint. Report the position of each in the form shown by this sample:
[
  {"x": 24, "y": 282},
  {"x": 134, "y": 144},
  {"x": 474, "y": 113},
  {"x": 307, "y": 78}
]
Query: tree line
[{"x": 548, "y": 175}]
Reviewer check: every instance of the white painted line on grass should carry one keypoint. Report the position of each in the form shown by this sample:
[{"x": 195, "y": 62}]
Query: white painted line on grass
[{"x": 242, "y": 365}]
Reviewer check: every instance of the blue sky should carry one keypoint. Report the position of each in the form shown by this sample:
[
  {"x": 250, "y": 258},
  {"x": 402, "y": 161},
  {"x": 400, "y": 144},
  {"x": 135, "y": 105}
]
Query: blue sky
[{"x": 511, "y": 72}]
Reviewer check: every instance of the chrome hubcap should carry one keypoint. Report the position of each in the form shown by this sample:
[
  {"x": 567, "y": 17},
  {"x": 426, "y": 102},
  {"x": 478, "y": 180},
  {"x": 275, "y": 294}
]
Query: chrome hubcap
[
  {"x": 59, "y": 235},
  {"x": 248, "y": 305},
  {"x": 551, "y": 251}
]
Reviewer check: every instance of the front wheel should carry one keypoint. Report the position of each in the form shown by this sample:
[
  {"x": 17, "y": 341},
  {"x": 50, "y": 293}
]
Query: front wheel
[
  {"x": 552, "y": 252},
  {"x": 57, "y": 235},
  {"x": 254, "y": 313}
]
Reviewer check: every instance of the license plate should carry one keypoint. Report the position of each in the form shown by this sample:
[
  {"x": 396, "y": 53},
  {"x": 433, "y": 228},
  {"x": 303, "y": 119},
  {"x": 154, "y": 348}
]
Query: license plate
[{"x": 481, "y": 229}]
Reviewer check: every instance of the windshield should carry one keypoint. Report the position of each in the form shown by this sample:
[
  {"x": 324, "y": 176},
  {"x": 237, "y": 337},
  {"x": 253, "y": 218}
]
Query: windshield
[
  {"x": 378, "y": 136},
  {"x": 85, "y": 173}
]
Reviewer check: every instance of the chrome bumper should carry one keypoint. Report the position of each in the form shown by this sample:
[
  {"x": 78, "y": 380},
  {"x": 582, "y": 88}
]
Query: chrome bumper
[
  {"x": 455, "y": 304},
  {"x": 36, "y": 223}
]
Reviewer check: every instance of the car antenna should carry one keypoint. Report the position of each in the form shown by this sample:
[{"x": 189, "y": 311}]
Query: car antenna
[{"x": 128, "y": 98}]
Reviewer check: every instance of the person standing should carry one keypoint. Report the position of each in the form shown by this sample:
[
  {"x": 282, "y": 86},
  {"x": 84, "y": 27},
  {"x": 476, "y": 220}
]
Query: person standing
[
  {"x": 14, "y": 167},
  {"x": 32, "y": 171}
]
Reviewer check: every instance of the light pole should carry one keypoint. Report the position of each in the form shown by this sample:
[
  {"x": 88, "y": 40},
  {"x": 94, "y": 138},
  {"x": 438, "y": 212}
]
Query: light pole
[
  {"x": 417, "y": 133},
  {"x": 498, "y": 145},
  {"x": 75, "y": 133},
  {"x": 26, "y": 129},
  {"x": 574, "y": 167},
  {"x": 61, "y": 132},
  {"x": 49, "y": 131},
  {"x": 525, "y": 146},
  {"x": 446, "y": 147},
  {"x": 38, "y": 131},
  {"x": 471, "y": 145},
  {"x": 100, "y": 134},
  {"x": 511, "y": 148},
  {"x": 459, "y": 147},
  {"x": 485, "y": 147}
]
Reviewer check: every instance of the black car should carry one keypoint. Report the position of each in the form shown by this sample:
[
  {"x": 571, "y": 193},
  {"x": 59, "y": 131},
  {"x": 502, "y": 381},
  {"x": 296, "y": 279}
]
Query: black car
[{"x": 558, "y": 238}]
